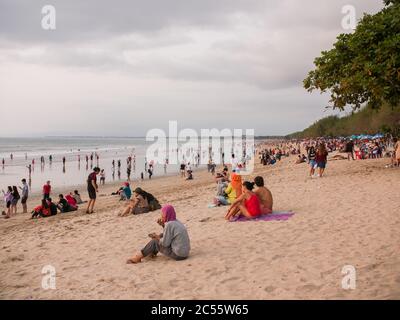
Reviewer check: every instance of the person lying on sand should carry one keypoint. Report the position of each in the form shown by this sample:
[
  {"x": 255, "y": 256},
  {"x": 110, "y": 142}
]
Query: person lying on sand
[
  {"x": 264, "y": 195},
  {"x": 247, "y": 204},
  {"x": 174, "y": 242}
]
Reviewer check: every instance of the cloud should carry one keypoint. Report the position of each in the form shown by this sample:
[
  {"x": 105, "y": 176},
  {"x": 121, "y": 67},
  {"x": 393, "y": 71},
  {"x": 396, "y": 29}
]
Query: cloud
[{"x": 125, "y": 58}]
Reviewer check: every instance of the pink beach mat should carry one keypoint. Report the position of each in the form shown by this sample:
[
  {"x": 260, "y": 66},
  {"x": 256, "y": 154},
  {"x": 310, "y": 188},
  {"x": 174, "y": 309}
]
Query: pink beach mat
[{"x": 275, "y": 216}]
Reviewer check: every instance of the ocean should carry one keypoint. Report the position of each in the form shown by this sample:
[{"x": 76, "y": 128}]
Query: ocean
[{"x": 75, "y": 172}]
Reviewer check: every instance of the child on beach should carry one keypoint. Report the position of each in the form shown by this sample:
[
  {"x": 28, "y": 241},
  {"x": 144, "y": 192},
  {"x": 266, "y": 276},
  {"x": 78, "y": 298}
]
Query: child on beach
[
  {"x": 125, "y": 192},
  {"x": 174, "y": 242},
  {"x": 8, "y": 197},
  {"x": 102, "y": 177}
]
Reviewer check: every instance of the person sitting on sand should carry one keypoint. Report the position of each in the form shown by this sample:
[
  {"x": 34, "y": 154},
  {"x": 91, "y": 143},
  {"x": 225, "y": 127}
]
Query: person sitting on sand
[
  {"x": 77, "y": 197},
  {"x": 125, "y": 192},
  {"x": 142, "y": 202},
  {"x": 138, "y": 204},
  {"x": 72, "y": 202},
  {"x": 41, "y": 211},
  {"x": 229, "y": 193},
  {"x": 225, "y": 173},
  {"x": 189, "y": 175},
  {"x": 63, "y": 205},
  {"x": 301, "y": 159},
  {"x": 174, "y": 242},
  {"x": 264, "y": 195},
  {"x": 247, "y": 204},
  {"x": 52, "y": 207},
  {"x": 236, "y": 182}
]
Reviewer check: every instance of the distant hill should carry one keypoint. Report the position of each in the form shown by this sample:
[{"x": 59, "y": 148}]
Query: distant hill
[{"x": 365, "y": 121}]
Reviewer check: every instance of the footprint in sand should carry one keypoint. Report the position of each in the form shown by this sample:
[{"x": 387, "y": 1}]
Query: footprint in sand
[
  {"x": 270, "y": 289},
  {"x": 205, "y": 219},
  {"x": 278, "y": 256},
  {"x": 309, "y": 288},
  {"x": 13, "y": 258},
  {"x": 230, "y": 279}
]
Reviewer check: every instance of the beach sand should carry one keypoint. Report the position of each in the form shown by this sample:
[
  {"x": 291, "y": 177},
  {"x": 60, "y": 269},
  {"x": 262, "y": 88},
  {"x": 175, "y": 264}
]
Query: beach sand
[{"x": 349, "y": 217}]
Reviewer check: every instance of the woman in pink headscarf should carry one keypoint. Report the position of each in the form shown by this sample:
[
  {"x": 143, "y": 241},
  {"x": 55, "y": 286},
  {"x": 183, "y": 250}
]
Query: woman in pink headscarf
[{"x": 174, "y": 242}]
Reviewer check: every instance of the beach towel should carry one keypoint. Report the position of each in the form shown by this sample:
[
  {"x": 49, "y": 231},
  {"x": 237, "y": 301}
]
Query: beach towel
[{"x": 275, "y": 216}]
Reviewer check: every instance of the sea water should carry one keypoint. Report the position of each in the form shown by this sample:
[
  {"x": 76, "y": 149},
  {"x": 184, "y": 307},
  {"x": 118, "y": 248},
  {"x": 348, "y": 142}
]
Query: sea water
[{"x": 75, "y": 172}]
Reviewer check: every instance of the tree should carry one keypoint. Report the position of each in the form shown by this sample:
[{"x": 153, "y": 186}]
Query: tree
[{"x": 363, "y": 67}]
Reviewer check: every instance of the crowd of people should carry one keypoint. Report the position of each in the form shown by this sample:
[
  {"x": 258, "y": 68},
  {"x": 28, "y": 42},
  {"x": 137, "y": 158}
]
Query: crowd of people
[{"x": 248, "y": 199}]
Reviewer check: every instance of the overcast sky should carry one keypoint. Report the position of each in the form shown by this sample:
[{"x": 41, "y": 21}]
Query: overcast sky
[{"x": 124, "y": 67}]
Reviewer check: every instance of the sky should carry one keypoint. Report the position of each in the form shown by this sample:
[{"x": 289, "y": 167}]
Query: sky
[{"x": 123, "y": 67}]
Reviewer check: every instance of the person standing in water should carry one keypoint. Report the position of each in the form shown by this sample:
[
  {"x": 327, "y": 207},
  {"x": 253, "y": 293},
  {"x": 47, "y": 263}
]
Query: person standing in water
[
  {"x": 102, "y": 177},
  {"x": 92, "y": 188}
]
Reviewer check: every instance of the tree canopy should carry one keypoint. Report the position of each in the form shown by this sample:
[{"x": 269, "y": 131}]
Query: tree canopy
[{"x": 364, "y": 66}]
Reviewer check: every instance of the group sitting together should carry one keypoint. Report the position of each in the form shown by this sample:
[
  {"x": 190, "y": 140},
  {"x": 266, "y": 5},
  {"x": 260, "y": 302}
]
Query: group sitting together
[
  {"x": 139, "y": 202},
  {"x": 241, "y": 197},
  {"x": 65, "y": 204}
]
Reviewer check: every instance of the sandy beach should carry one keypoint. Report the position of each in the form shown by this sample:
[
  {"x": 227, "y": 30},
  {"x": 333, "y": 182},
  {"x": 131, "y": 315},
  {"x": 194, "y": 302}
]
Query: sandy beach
[{"x": 349, "y": 217}]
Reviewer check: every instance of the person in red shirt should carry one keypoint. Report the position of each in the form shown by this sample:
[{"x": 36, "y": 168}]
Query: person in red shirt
[
  {"x": 41, "y": 211},
  {"x": 46, "y": 190},
  {"x": 247, "y": 204}
]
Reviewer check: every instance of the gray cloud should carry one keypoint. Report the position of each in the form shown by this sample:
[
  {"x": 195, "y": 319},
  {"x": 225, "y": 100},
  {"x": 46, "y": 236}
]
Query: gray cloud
[{"x": 241, "y": 58}]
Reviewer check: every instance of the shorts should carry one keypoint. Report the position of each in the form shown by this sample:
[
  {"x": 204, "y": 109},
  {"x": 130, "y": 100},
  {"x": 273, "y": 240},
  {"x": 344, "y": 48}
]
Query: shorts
[
  {"x": 14, "y": 202},
  {"x": 140, "y": 210},
  {"x": 8, "y": 204},
  {"x": 223, "y": 201},
  {"x": 24, "y": 199},
  {"x": 313, "y": 163},
  {"x": 92, "y": 193},
  {"x": 321, "y": 165}
]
